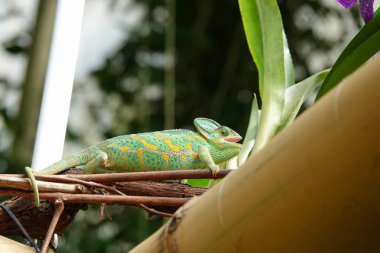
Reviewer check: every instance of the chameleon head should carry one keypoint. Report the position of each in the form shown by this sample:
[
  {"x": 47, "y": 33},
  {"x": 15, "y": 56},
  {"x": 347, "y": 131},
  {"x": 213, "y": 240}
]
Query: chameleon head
[{"x": 222, "y": 139}]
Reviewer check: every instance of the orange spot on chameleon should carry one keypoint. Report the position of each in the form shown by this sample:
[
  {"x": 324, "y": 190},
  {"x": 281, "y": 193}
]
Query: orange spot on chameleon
[
  {"x": 140, "y": 152},
  {"x": 166, "y": 158}
]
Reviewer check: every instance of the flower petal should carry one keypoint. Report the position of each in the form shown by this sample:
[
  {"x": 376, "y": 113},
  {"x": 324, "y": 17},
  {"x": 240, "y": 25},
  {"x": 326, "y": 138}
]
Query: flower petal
[
  {"x": 347, "y": 3},
  {"x": 366, "y": 9}
]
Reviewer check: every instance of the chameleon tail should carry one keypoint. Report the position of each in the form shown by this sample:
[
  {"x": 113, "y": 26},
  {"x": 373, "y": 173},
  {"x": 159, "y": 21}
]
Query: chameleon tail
[{"x": 33, "y": 183}]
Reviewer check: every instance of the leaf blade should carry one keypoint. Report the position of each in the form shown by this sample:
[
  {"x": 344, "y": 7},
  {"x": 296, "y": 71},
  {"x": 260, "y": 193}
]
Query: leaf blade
[
  {"x": 295, "y": 96},
  {"x": 364, "y": 45},
  {"x": 250, "y": 135}
]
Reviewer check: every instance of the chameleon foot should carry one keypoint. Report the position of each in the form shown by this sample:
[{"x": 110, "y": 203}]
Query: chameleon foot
[{"x": 214, "y": 169}]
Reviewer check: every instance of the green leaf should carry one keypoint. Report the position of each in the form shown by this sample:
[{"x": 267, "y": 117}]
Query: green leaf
[
  {"x": 289, "y": 68},
  {"x": 364, "y": 45},
  {"x": 198, "y": 182},
  {"x": 250, "y": 135},
  {"x": 263, "y": 28},
  {"x": 295, "y": 96},
  {"x": 253, "y": 33}
]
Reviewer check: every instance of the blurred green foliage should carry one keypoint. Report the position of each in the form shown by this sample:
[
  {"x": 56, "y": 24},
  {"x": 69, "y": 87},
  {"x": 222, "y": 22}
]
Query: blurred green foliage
[{"x": 119, "y": 231}]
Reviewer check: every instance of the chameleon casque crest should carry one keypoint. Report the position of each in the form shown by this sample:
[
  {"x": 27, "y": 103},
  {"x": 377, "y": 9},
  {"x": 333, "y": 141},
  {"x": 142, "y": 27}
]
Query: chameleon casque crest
[{"x": 154, "y": 151}]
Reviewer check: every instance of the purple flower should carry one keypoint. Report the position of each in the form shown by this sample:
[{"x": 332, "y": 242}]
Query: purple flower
[{"x": 365, "y": 6}]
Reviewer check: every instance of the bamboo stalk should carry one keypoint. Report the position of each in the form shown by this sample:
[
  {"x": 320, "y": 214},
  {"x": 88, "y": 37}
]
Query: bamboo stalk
[
  {"x": 8, "y": 245},
  {"x": 314, "y": 188}
]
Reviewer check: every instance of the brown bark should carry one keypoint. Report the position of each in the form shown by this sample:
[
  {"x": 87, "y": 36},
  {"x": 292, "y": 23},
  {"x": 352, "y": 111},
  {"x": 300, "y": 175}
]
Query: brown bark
[{"x": 36, "y": 220}]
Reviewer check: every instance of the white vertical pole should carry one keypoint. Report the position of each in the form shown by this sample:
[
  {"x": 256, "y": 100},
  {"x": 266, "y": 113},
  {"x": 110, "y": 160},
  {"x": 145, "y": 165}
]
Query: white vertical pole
[{"x": 58, "y": 85}]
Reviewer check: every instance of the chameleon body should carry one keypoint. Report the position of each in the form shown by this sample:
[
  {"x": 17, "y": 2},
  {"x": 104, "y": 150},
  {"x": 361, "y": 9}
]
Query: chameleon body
[{"x": 161, "y": 150}]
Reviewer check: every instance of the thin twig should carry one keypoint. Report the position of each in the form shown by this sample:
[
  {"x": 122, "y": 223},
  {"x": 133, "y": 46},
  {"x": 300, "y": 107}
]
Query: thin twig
[
  {"x": 80, "y": 182},
  {"x": 18, "y": 182},
  {"x": 150, "y": 211},
  {"x": 97, "y": 199},
  {"x": 58, "y": 206},
  {"x": 23, "y": 184},
  {"x": 138, "y": 176}
]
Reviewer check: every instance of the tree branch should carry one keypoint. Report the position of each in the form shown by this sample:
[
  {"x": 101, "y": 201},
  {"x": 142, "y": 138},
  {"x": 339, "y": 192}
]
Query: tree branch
[{"x": 76, "y": 191}]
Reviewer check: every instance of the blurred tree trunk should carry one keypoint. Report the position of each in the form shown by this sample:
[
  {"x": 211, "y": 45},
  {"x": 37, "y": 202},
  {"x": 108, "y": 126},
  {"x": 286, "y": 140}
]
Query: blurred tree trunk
[
  {"x": 169, "y": 99},
  {"x": 23, "y": 144}
]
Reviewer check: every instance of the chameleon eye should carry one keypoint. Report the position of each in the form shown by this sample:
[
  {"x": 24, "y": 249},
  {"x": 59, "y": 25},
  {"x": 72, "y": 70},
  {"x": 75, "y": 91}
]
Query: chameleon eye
[{"x": 225, "y": 131}]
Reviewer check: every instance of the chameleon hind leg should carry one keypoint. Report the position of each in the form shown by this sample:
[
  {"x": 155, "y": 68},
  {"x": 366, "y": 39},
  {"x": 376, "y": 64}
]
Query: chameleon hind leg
[{"x": 100, "y": 160}]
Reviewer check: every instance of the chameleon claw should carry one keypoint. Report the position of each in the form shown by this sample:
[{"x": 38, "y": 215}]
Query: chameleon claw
[
  {"x": 214, "y": 170},
  {"x": 33, "y": 184}
]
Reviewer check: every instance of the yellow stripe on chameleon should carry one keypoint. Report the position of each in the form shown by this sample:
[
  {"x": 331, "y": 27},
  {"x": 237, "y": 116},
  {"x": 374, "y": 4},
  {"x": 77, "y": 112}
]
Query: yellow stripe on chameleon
[
  {"x": 190, "y": 138},
  {"x": 183, "y": 158},
  {"x": 140, "y": 152},
  {"x": 200, "y": 138},
  {"x": 188, "y": 146},
  {"x": 123, "y": 149},
  {"x": 124, "y": 158},
  {"x": 134, "y": 136},
  {"x": 166, "y": 158},
  {"x": 71, "y": 163},
  {"x": 171, "y": 146},
  {"x": 147, "y": 145}
]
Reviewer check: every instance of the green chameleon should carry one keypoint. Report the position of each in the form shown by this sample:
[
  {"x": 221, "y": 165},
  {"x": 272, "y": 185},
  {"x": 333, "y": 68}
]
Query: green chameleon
[{"x": 154, "y": 151}]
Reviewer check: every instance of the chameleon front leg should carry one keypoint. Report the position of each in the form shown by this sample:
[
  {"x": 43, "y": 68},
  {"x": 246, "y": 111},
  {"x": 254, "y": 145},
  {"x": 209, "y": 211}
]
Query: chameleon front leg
[{"x": 205, "y": 157}]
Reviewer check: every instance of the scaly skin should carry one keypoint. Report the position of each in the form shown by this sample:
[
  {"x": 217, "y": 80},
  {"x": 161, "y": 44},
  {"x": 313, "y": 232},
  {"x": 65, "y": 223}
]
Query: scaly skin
[{"x": 155, "y": 151}]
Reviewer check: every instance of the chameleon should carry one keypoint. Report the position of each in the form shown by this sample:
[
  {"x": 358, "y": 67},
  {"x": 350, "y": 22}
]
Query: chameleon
[{"x": 177, "y": 149}]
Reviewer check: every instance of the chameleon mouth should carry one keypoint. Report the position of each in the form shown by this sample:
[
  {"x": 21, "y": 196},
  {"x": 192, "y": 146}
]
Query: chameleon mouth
[{"x": 233, "y": 139}]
